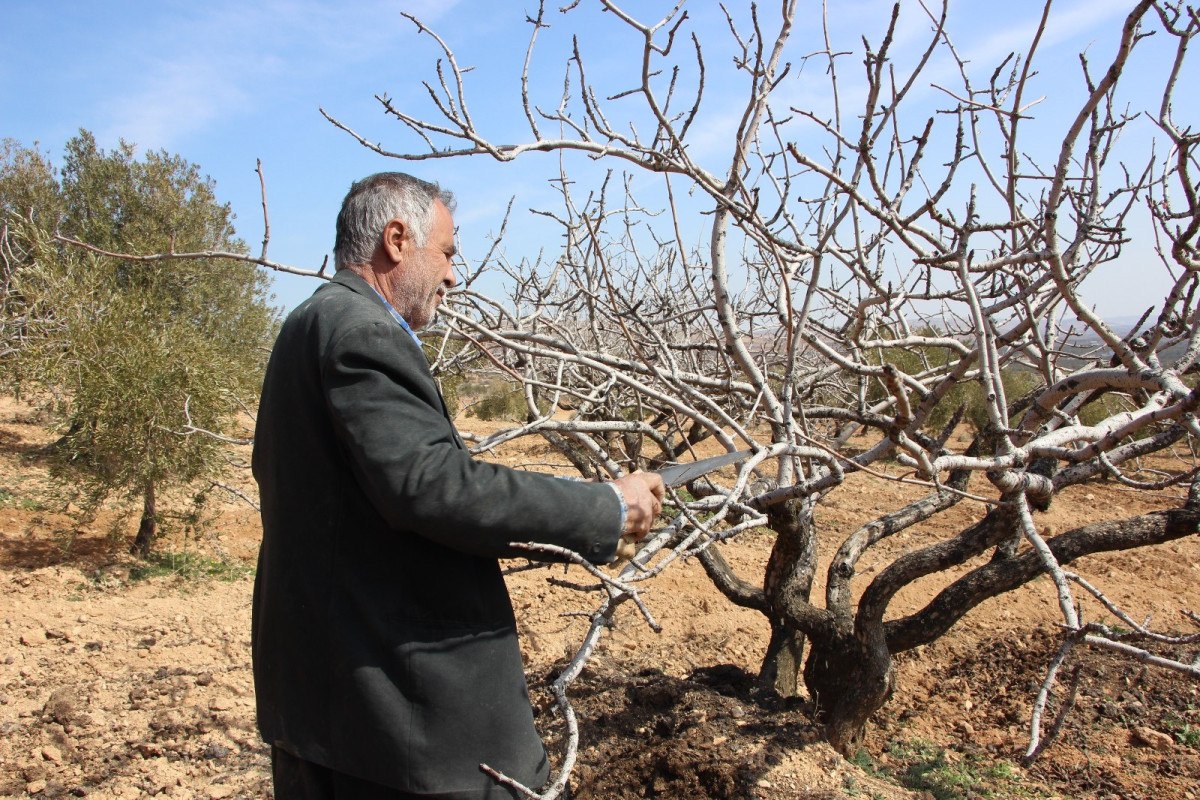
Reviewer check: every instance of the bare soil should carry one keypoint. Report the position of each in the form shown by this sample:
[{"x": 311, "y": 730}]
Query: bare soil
[{"x": 115, "y": 684}]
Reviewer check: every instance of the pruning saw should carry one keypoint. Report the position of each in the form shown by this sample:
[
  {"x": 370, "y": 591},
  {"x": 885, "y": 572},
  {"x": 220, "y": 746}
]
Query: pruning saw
[{"x": 677, "y": 475}]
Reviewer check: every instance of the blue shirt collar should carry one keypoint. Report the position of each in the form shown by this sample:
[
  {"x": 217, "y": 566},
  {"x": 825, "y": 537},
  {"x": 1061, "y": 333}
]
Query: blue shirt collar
[{"x": 396, "y": 315}]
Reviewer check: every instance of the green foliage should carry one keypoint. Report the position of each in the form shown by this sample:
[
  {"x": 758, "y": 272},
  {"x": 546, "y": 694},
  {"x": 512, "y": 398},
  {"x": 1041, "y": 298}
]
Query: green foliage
[
  {"x": 1185, "y": 733},
  {"x": 29, "y": 197},
  {"x": 1188, "y": 736},
  {"x": 929, "y": 768},
  {"x": 451, "y": 386},
  {"x": 917, "y": 360},
  {"x": 502, "y": 401},
  {"x": 134, "y": 358},
  {"x": 28, "y": 186},
  {"x": 1102, "y": 408},
  {"x": 862, "y": 759},
  {"x": 1016, "y": 382},
  {"x": 452, "y": 363},
  {"x": 189, "y": 566},
  {"x": 10, "y": 499}
]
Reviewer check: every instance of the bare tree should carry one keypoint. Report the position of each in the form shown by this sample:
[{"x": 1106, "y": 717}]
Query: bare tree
[
  {"x": 876, "y": 267},
  {"x": 868, "y": 270}
]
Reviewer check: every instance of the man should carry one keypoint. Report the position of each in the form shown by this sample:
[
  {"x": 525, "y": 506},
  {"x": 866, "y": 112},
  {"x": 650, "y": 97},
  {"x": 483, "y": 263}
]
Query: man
[{"x": 385, "y": 650}]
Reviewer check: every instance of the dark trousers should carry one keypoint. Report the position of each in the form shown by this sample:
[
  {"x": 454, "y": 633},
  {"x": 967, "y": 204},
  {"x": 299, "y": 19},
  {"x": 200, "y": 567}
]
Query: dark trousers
[{"x": 297, "y": 779}]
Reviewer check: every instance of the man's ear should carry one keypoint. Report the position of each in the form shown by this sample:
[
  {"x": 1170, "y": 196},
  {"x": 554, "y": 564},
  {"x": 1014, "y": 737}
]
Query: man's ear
[{"x": 395, "y": 240}]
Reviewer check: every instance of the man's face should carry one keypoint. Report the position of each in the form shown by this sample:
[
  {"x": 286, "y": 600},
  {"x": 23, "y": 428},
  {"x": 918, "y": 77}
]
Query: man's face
[{"x": 425, "y": 273}]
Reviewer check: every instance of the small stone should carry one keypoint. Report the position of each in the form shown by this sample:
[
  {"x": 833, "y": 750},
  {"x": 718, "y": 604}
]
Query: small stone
[
  {"x": 763, "y": 783},
  {"x": 1135, "y": 708},
  {"x": 1152, "y": 738},
  {"x": 216, "y": 751},
  {"x": 33, "y": 639},
  {"x": 220, "y": 791},
  {"x": 148, "y": 749},
  {"x": 52, "y": 754},
  {"x": 220, "y": 704},
  {"x": 966, "y": 728},
  {"x": 204, "y": 679},
  {"x": 62, "y": 707},
  {"x": 35, "y": 787}
]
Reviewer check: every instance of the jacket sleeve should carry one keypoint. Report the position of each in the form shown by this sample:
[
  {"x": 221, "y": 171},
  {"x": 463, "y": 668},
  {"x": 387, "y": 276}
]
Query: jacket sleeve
[{"x": 388, "y": 416}]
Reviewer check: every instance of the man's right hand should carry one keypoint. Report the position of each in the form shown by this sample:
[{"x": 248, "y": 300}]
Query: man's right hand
[{"x": 643, "y": 493}]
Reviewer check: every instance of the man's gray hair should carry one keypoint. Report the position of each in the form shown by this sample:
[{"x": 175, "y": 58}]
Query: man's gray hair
[{"x": 375, "y": 201}]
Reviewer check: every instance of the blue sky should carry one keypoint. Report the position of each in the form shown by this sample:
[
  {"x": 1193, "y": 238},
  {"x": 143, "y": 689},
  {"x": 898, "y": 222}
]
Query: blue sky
[{"x": 226, "y": 82}]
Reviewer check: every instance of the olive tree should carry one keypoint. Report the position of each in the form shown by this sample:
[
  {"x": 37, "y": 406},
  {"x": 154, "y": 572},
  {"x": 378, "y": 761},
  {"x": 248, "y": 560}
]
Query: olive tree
[{"x": 146, "y": 365}]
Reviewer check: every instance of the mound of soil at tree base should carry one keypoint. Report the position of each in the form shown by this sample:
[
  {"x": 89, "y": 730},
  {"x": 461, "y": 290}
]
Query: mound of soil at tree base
[
  {"x": 710, "y": 734},
  {"x": 715, "y": 734}
]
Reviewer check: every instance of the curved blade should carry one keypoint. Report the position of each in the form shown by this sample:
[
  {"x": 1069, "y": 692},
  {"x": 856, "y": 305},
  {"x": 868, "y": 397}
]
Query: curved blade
[{"x": 678, "y": 474}]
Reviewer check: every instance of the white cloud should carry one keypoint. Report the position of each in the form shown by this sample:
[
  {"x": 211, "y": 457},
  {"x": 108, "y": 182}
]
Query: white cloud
[
  {"x": 180, "y": 97},
  {"x": 219, "y": 59},
  {"x": 1065, "y": 23}
]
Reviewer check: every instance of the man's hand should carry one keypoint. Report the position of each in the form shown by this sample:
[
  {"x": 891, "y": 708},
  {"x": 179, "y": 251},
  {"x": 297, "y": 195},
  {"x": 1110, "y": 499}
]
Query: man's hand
[{"x": 643, "y": 492}]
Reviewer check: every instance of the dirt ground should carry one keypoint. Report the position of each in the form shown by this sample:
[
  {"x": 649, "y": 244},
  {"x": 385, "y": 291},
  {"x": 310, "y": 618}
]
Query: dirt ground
[{"x": 120, "y": 681}]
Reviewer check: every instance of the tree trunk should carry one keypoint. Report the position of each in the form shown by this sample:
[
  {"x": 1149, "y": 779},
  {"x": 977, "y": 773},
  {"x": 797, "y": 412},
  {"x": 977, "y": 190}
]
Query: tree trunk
[
  {"x": 148, "y": 528},
  {"x": 788, "y": 582},
  {"x": 781, "y": 665},
  {"x": 850, "y": 677}
]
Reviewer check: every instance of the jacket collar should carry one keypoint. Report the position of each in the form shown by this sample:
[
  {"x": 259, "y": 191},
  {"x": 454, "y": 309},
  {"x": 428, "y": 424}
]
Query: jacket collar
[{"x": 355, "y": 283}]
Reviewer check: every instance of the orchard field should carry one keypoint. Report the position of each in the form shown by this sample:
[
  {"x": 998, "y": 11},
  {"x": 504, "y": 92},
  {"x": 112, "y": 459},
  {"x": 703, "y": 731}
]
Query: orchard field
[{"x": 120, "y": 678}]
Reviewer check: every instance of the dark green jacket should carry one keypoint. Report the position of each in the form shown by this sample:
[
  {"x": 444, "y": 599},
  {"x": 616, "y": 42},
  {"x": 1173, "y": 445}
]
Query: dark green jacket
[{"x": 384, "y": 640}]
